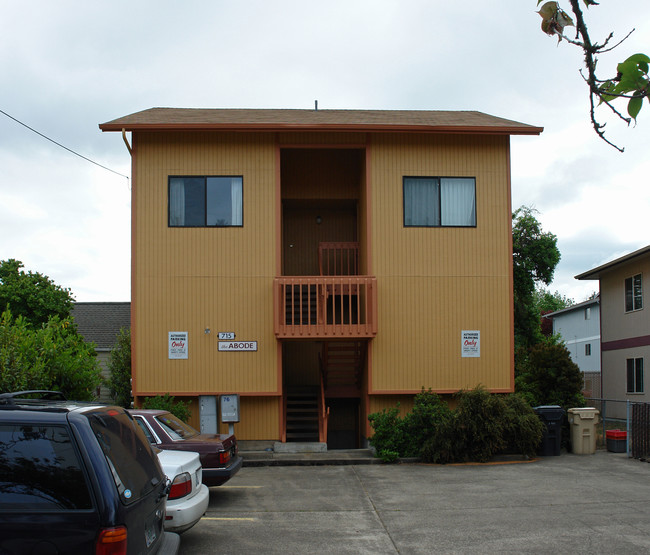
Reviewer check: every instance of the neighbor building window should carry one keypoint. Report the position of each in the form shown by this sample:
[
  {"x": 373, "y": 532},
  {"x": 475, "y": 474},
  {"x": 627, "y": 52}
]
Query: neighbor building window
[
  {"x": 588, "y": 313},
  {"x": 588, "y": 349},
  {"x": 200, "y": 201},
  {"x": 635, "y": 375},
  {"x": 439, "y": 201},
  {"x": 633, "y": 293}
]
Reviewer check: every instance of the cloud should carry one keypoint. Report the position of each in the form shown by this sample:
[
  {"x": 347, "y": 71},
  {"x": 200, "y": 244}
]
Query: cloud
[{"x": 68, "y": 66}]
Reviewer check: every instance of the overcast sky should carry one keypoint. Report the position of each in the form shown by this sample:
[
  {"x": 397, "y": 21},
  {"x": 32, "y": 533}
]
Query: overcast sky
[{"x": 67, "y": 66}]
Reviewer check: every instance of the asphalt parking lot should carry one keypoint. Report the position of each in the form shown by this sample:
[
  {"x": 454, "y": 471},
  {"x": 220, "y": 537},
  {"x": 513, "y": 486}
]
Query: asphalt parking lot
[{"x": 568, "y": 504}]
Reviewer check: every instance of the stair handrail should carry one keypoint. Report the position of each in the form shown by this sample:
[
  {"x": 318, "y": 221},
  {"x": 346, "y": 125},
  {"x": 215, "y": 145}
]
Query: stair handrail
[
  {"x": 323, "y": 411},
  {"x": 332, "y": 261}
]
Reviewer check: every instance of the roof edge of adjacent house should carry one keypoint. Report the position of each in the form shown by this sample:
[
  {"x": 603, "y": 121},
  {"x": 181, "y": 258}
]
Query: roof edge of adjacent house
[
  {"x": 411, "y": 121},
  {"x": 583, "y": 304},
  {"x": 594, "y": 273}
]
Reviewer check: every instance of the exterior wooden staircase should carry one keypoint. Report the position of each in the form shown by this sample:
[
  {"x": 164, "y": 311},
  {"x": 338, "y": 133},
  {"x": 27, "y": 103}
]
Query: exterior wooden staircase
[
  {"x": 302, "y": 414},
  {"x": 342, "y": 363}
]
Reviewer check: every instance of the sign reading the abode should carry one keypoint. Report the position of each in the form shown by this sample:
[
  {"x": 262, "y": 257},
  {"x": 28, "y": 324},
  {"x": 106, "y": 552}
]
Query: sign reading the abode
[
  {"x": 471, "y": 343},
  {"x": 178, "y": 344},
  {"x": 238, "y": 345}
]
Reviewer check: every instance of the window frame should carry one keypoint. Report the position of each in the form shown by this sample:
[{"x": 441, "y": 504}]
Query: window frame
[
  {"x": 635, "y": 375},
  {"x": 205, "y": 179},
  {"x": 440, "y": 204},
  {"x": 633, "y": 301},
  {"x": 587, "y": 349}
]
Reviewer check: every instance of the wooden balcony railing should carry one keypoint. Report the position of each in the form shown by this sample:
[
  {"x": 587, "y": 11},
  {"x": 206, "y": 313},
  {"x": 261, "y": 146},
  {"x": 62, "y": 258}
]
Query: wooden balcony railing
[
  {"x": 338, "y": 258},
  {"x": 325, "y": 306}
]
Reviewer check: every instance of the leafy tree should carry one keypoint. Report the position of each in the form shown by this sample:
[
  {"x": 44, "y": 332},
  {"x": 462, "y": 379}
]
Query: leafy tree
[
  {"x": 119, "y": 365},
  {"x": 631, "y": 81},
  {"x": 547, "y": 302},
  {"x": 550, "y": 302},
  {"x": 535, "y": 257},
  {"x": 546, "y": 375},
  {"x": 53, "y": 357},
  {"x": 32, "y": 295}
]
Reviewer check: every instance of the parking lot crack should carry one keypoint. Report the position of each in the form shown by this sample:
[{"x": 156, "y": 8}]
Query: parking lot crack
[{"x": 374, "y": 508}]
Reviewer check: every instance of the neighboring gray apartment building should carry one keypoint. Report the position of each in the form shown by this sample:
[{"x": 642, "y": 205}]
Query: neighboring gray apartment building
[{"x": 579, "y": 327}]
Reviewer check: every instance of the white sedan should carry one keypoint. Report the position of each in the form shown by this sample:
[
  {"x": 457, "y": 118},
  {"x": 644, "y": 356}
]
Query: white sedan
[{"x": 188, "y": 497}]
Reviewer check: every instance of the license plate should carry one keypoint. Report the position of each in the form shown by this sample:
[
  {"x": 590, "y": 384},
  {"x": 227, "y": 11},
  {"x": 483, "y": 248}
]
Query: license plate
[
  {"x": 152, "y": 526},
  {"x": 150, "y": 535}
]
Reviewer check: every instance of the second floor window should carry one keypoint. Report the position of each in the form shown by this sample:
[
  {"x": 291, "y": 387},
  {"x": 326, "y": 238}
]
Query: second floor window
[
  {"x": 633, "y": 293},
  {"x": 439, "y": 202},
  {"x": 588, "y": 349},
  {"x": 200, "y": 201}
]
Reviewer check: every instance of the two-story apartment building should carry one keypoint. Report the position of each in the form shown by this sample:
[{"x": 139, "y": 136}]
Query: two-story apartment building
[
  {"x": 625, "y": 328},
  {"x": 321, "y": 264}
]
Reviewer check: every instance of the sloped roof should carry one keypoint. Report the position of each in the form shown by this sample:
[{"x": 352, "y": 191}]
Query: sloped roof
[
  {"x": 101, "y": 322},
  {"x": 595, "y": 273},
  {"x": 578, "y": 306},
  {"x": 422, "y": 121}
]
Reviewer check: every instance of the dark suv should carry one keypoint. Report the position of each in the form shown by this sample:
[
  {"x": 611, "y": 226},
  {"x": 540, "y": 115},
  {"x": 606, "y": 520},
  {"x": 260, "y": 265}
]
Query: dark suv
[{"x": 78, "y": 478}]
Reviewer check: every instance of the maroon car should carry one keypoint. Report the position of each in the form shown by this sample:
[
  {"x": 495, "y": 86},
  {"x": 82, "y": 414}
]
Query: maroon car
[{"x": 218, "y": 453}]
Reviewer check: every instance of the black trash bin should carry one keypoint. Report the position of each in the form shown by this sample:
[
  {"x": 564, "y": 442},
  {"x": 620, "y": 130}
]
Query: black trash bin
[{"x": 551, "y": 416}]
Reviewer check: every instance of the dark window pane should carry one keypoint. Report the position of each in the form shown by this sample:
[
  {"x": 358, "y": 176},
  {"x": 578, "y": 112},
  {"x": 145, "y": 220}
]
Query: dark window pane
[
  {"x": 145, "y": 429},
  {"x": 629, "y": 299},
  {"x": 194, "y": 202},
  {"x": 40, "y": 469},
  {"x": 186, "y": 201},
  {"x": 135, "y": 468},
  {"x": 639, "y": 376},
  {"x": 421, "y": 202}
]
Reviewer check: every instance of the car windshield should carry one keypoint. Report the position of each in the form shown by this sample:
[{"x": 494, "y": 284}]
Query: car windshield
[{"x": 177, "y": 429}]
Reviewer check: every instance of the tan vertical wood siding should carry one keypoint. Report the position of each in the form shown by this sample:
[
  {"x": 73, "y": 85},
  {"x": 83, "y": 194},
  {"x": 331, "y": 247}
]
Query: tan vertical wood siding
[
  {"x": 193, "y": 279},
  {"x": 435, "y": 282}
]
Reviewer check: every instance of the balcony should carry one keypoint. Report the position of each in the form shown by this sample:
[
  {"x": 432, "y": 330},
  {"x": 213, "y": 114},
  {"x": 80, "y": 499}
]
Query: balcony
[{"x": 325, "y": 307}]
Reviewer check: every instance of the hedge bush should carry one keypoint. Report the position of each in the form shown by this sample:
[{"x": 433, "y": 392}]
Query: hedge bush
[
  {"x": 482, "y": 426},
  {"x": 180, "y": 409}
]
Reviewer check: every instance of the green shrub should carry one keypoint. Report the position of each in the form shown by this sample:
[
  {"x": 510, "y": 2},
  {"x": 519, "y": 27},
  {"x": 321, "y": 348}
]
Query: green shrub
[
  {"x": 523, "y": 430},
  {"x": 430, "y": 418},
  {"x": 119, "y": 366},
  {"x": 443, "y": 446},
  {"x": 389, "y": 434},
  {"x": 388, "y": 456},
  {"x": 181, "y": 409},
  {"x": 480, "y": 424}
]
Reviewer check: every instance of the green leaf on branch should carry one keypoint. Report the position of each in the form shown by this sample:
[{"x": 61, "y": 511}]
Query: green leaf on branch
[{"x": 634, "y": 106}]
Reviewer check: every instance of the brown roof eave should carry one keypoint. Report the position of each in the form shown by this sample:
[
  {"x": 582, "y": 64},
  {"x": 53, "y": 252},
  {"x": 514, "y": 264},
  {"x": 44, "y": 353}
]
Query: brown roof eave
[
  {"x": 270, "y": 127},
  {"x": 595, "y": 273}
]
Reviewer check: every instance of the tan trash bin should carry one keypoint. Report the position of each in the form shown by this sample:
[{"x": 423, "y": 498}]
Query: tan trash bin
[{"x": 582, "y": 422}]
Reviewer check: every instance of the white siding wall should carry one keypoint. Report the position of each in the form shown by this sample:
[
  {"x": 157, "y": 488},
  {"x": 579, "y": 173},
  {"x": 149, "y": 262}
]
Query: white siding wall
[{"x": 578, "y": 331}]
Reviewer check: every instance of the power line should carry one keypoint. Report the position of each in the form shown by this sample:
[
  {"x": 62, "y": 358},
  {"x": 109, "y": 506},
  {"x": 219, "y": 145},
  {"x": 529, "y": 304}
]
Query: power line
[{"x": 62, "y": 146}]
